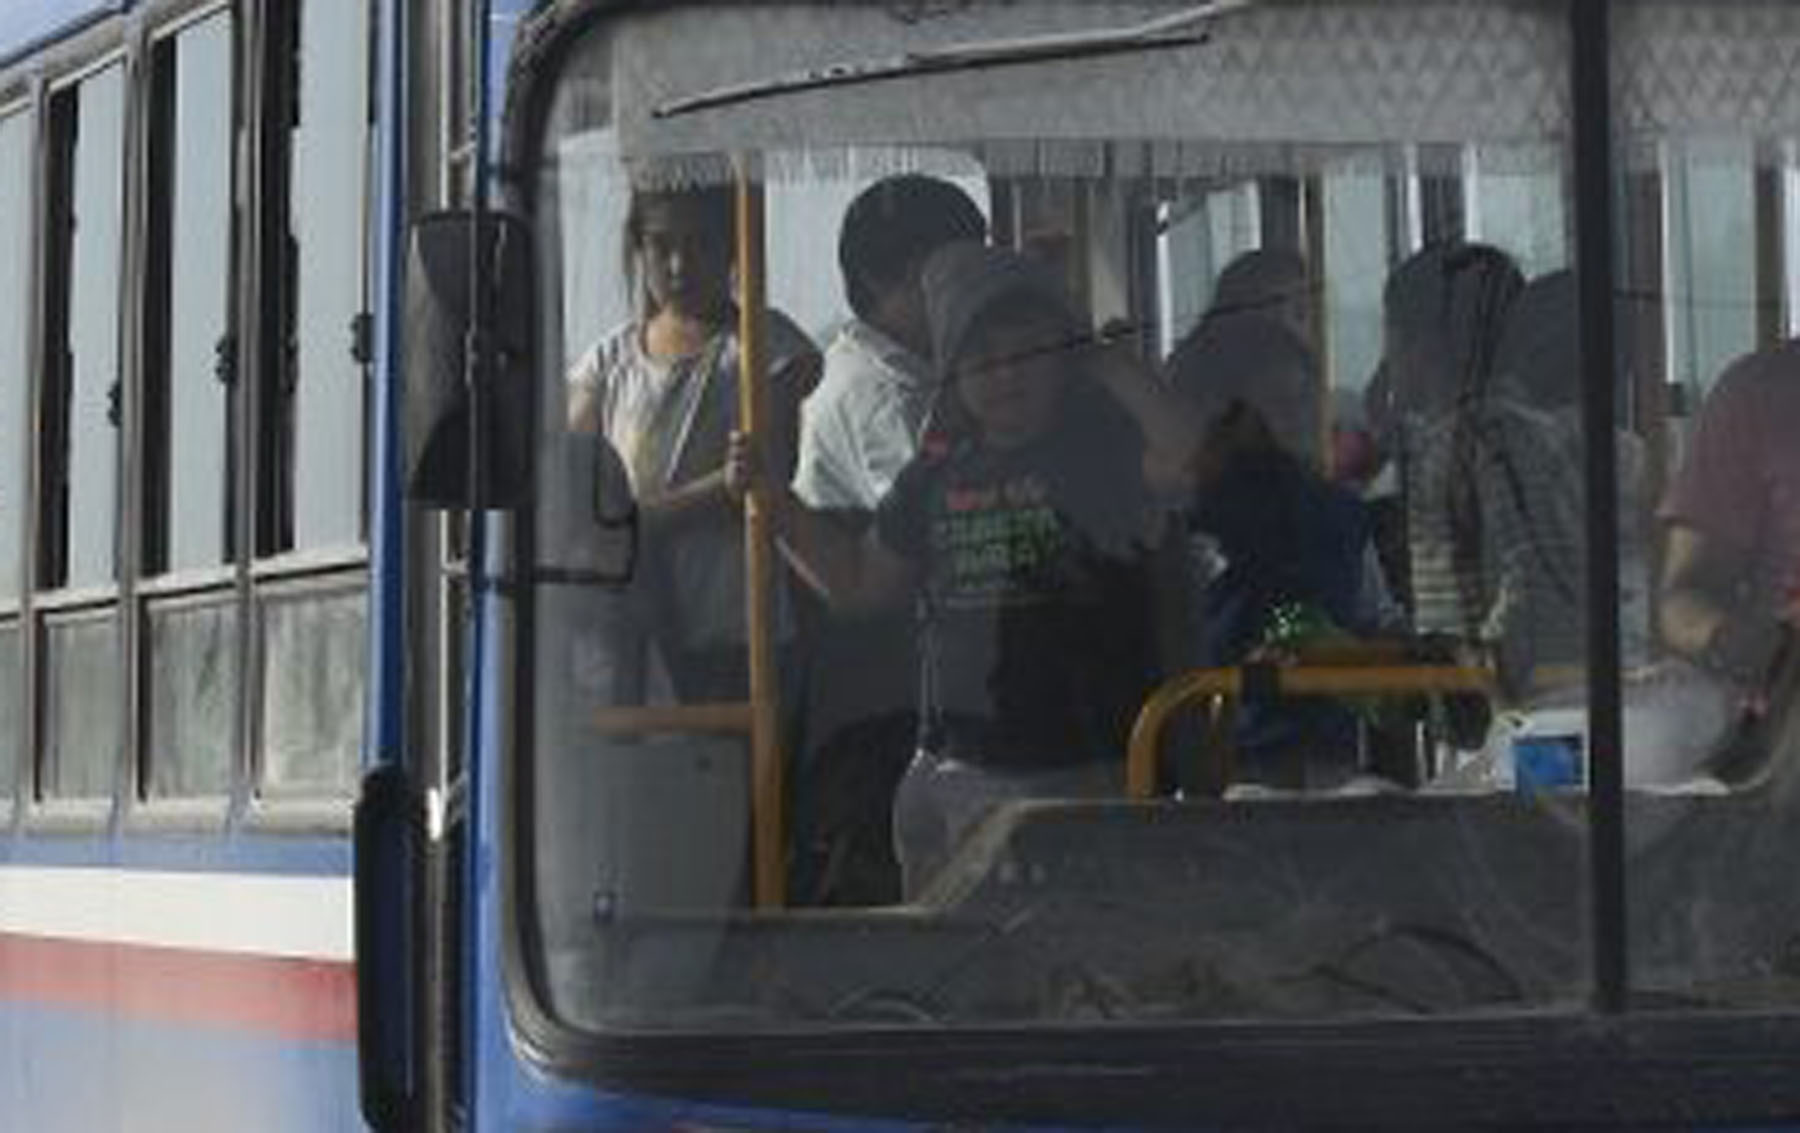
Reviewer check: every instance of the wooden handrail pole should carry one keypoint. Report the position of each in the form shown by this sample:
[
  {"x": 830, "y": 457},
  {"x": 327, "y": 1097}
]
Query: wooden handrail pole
[{"x": 768, "y": 820}]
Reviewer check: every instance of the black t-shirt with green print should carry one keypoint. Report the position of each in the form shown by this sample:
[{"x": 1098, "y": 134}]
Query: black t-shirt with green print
[{"x": 1038, "y": 648}]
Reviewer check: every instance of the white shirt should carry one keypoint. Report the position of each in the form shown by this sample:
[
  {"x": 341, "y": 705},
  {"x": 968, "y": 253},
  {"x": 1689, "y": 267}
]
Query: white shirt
[{"x": 862, "y": 424}]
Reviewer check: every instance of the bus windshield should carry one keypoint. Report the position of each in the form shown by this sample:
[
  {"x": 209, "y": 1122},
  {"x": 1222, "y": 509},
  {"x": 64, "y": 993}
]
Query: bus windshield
[{"x": 1167, "y": 587}]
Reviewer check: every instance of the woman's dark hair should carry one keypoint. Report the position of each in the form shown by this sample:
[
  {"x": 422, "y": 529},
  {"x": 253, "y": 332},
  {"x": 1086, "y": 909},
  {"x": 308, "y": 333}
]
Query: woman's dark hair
[
  {"x": 896, "y": 223},
  {"x": 712, "y": 206}
]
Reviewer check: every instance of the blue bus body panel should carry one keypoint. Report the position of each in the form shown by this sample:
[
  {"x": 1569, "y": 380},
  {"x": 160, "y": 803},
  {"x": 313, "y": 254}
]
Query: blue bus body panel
[{"x": 75, "y": 1071}]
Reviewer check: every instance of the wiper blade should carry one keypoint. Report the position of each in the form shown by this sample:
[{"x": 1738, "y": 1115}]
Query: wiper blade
[{"x": 1163, "y": 32}]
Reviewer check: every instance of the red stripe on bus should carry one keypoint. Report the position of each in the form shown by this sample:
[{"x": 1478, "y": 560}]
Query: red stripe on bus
[{"x": 274, "y": 995}]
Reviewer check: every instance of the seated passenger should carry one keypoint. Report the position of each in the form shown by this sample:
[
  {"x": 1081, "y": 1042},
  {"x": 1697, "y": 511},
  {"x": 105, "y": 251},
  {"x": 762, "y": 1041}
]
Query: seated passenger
[
  {"x": 857, "y": 431},
  {"x": 1493, "y": 503},
  {"x": 1024, "y": 538},
  {"x": 662, "y": 389},
  {"x": 1274, "y": 539}
]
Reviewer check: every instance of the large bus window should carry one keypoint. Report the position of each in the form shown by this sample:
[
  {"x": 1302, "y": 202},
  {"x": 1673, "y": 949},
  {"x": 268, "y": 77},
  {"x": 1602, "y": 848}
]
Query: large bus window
[
  {"x": 187, "y": 392},
  {"x": 1708, "y": 708},
  {"x": 15, "y": 282},
  {"x": 312, "y": 446},
  {"x": 318, "y": 445},
  {"x": 83, "y": 400},
  {"x": 1070, "y": 520},
  {"x": 193, "y": 679}
]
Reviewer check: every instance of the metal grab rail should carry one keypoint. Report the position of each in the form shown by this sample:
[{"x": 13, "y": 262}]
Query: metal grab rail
[{"x": 1198, "y": 685}]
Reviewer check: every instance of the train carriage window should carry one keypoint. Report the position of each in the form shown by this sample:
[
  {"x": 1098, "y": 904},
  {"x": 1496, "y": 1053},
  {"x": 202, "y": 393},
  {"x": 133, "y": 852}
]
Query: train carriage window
[
  {"x": 323, "y": 440},
  {"x": 310, "y": 672},
  {"x": 192, "y": 356},
  {"x": 82, "y": 403},
  {"x": 1393, "y": 862},
  {"x": 83, "y": 691},
  {"x": 15, "y": 280}
]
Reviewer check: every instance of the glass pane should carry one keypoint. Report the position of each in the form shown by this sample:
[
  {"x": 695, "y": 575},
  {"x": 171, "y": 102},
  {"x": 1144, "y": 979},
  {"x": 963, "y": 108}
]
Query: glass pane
[
  {"x": 199, "y": 217},
  {"x": 194, "y": 681},
  {"x": 84, "y": 695},
  {"x": 15, "y": 277},
  {"x": 312, "y": 693},
  {"x": 330, "y": 189},
  {"x": 1356, "y": 261},
  {"x": 12, "y": 716},
  {"x": 1710, "y": 491},
  {"x": 1008, "y": 535},
  {"x": 94, "y": 327}
]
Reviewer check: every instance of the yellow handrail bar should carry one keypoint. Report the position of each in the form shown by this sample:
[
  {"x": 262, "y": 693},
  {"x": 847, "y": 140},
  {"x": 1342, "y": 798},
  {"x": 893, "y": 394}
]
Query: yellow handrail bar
[{"x": 1188, "y": 688}]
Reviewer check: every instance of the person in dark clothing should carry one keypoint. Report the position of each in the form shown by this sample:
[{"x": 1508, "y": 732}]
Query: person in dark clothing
[
  {"x": 1271, "y": 537},
  {"x": 1023, "y": 535}
]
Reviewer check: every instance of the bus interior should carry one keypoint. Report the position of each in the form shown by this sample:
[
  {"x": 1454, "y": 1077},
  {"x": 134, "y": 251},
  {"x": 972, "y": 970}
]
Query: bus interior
[{"x": 661, "y": 875}]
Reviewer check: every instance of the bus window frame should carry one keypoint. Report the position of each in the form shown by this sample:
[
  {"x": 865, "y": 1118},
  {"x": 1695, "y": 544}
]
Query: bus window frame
[
  {"x": 30, "y": 82},
  {"x": 1603, "y": 1062}
]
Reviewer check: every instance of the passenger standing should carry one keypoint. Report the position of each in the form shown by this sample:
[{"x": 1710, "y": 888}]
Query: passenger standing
[
  {"x": 858, "y": 429},
  {"x": 1272, "y": 536},
  {"x": 1730, "y": 588},
  {"x": 662, "y": 390},
  {"x": 1493, "y": 506},
  {"x": 1537, "y": 367},
  {"x": 1025, "y": 539}
]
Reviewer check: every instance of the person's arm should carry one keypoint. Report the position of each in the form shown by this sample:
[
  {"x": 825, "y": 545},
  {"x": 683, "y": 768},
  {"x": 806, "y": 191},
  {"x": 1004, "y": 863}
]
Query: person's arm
[
  {"x": 1699, "y": 615},
  {"x": 852, "y": 573},
  {"x": 1170, "y": 425},
  {"x": 788, "y": 386}
]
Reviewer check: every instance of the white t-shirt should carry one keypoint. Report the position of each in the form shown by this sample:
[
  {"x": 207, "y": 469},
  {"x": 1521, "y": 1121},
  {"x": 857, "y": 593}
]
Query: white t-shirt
[
  {"x": 861, "y": 426},
  {"x": 668, "y": 421}
]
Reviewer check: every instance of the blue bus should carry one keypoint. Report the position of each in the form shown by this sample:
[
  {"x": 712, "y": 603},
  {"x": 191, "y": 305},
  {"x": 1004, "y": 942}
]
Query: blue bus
[{"x": 931, "y": 564}]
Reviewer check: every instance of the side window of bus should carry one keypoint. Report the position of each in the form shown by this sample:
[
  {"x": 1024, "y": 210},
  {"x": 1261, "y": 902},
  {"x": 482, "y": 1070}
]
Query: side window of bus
[
  {"x": 316, "y": 435},
  {"x": 188, "y": 400},
  {"x": 80, "y": 414},
  {"x": 312, "y": 433},
  {"x": 15, "y": 276}
]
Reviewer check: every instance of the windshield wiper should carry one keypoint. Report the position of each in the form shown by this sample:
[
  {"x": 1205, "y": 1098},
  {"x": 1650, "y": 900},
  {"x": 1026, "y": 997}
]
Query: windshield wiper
[{"x": 1163, "y": 32}]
